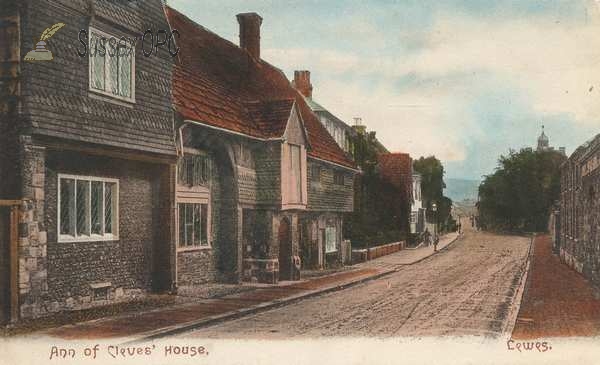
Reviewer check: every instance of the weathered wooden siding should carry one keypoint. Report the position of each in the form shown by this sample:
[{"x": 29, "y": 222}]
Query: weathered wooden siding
[{"x": 56, "y": 97}]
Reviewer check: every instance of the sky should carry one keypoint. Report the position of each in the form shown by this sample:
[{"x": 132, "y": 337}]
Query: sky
[{"x": 464, "y": 80}]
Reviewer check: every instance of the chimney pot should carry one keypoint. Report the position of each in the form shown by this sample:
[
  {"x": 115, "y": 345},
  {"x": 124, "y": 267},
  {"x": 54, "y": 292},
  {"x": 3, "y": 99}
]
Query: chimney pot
[
  {"x": 302, "y": 83},
  {"x": 250, "y": 33}
]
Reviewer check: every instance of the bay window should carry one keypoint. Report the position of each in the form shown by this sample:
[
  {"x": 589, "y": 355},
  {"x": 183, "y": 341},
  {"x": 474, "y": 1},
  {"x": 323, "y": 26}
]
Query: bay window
[{"x": 87, "y": 208}]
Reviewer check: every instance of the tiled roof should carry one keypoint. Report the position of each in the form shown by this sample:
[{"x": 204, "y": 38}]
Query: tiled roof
[
  {"x": 219, "y": 84},
  {"x": 396, "y": 169}
]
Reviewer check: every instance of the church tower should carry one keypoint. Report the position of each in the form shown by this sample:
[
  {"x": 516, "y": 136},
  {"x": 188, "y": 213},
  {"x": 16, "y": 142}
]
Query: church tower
[{"x": 543, "y": 143}]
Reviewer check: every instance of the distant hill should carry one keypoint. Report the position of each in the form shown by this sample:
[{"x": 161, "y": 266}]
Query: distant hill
[{"x": 461, "y": 189}]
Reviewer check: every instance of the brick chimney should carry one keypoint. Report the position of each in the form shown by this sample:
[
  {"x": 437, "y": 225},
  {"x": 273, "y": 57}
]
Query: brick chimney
[
  {"x": 250, "y": 33},
  {"x": 302, "y": 83}
]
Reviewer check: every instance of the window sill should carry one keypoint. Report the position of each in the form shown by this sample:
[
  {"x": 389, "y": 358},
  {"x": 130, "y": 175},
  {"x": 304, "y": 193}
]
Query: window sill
[
  {"x": 85, "y": 239},
  {"x": 108, "y": 97},
  {"x": 294, "y": 206},
  {"x": 195, "y": 248}
]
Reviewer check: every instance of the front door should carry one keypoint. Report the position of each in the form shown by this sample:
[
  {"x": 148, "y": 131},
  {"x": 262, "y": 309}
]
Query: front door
[
  {"x": 285, "y": 250},
  {"x": 4, "y": 265},
  {"x": 322, "y": 239}
]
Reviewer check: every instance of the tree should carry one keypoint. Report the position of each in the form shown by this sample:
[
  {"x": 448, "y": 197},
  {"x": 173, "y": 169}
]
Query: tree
[
  {"x": 375, "y": 216},
  {"x": 518, "y": 196}
]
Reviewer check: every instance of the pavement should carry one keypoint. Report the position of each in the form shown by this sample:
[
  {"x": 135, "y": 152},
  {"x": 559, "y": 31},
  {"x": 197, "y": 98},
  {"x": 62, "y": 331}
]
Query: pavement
[
  {"x": 204, "y": 312},
  {"x": 558, "y": 301}
]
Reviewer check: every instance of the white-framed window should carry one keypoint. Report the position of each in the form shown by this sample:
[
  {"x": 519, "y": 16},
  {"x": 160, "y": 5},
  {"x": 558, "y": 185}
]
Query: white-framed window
[
  {"x": 111, "y": 65},
  {"x": 193, "y": 225},
  {"x": 88, "y": 208},
  {"x": 330, "y": 239}
]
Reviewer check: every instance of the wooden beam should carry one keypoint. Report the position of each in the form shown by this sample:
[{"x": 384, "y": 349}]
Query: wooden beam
[
  {"x": 113, "y": 152},
  {"x": 9, "y": 203},
  {"x": 14, "y": 263}
]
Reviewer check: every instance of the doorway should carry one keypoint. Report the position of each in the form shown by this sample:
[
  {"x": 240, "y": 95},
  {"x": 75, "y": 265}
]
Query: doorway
[{"x": 285, "y": 250}]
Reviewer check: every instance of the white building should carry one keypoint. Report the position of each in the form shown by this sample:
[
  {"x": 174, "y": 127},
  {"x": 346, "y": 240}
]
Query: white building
[{"x": 417, "y": 212}]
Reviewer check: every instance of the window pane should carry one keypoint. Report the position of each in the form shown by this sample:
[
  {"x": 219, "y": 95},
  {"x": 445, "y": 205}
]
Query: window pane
[
  {"x": 181, "y": 224},
  {"x": 197, "y": 225},
  {"x": 96, "y": 207},
  {"x": 204, "y": 225},
  {"x": 189, "y": 224},
  {"x": 189, "y": 173},
  {"x": 108, "y": 207},
  {"x": 97, "y": 64},
  {"x": 124, "y": 72},
  {"x": 67, "y": 208},
  {"x": 83, "y": 204},
  {"x": 113, "y": 73}
]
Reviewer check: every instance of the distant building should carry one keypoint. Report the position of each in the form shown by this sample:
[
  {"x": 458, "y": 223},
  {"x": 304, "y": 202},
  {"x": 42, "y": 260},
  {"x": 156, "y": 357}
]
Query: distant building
[
  {"x": 396, "y": 169},
  {"x": 543, "y": 144},
  {"x": 417, "y": 212},
  {"x": 342, "y": 133}
]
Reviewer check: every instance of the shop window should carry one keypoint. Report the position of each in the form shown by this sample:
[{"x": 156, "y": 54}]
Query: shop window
[
  {"x": 87, "y": 208},
  {"x": 330, "y": 240}
]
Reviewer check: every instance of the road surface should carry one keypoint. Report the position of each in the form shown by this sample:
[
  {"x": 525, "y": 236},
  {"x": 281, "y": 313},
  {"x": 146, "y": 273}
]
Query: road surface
[{"x": 467, "y": 289}]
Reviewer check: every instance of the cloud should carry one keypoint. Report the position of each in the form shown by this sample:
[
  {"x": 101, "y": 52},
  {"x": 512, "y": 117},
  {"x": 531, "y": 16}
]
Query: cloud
[
  {"x": 470, "y": 83},
  {"x": 462, "y": 79}
]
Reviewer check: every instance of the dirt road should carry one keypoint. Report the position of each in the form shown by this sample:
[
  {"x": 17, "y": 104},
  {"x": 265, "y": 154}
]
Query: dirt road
[{"x": 467, "y": 289}]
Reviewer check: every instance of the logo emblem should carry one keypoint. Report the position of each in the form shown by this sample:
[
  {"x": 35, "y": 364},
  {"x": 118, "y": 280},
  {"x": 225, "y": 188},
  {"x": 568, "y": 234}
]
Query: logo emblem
[{"x": 41, "y": 53}]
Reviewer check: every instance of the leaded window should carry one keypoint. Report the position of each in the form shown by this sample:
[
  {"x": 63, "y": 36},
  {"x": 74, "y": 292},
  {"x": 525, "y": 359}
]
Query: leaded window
[
  {"x": 111, "y": 65},
  {"x": 87, "y": 208},
  {"x": 194, "y": 170}
]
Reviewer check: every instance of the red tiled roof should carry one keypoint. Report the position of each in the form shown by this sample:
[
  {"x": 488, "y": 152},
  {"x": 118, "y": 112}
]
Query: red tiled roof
[
  {"x": 396, "y": 169},
  {"x": 217, "y": 83}
]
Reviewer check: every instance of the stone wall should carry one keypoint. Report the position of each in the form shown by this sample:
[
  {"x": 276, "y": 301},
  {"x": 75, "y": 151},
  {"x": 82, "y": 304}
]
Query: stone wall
[
  {"x": 579, "y": 236},
  {"x": 56, "y": 276},
  {"x": 33, "y": 238}
]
